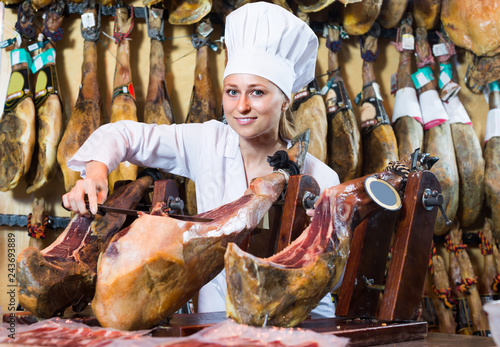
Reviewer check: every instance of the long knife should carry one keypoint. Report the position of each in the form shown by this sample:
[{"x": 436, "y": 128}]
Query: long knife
[{"x": 102, "y": 209}]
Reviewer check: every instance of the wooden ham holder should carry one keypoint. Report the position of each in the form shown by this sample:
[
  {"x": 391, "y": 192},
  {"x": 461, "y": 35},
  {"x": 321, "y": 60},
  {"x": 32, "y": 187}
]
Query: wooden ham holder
[{"x": 369, "y": 310}]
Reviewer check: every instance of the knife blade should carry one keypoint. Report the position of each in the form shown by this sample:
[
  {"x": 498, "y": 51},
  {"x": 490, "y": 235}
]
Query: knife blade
[{"x": 102, "y": 209}]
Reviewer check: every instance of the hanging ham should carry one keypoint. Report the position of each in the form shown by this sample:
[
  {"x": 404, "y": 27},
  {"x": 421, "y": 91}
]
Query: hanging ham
[
  {"x": 426, "y": 13},
  {"x": 406, "y": 117},
  {"x": 309, "y": 112},
  {"x": 17, "y": 125},
  {"x": 158, "y": 109},
  {"x": 391, "y": 12},
  {"x": 47, "y": 103},
  {"x": 492, "y": 158},
  {"x": 438, "y": 140},
  {"x": 86, "y": 116},
  {"x": 379, "y": 141},
  {"x": 359, "y": 17},
  {"x": 343, "y": 138},
  {"x": 203, "y": 104},
  {"x": 123, "y": 105}
]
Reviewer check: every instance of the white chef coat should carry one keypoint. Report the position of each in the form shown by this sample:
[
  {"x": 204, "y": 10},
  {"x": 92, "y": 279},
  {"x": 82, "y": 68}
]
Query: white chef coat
[{"x": 207, "y": 153}]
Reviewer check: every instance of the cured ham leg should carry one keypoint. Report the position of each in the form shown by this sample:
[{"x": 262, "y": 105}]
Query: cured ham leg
[
  {"x": 468, "y": 152},
  {"x": 442, "y": 295},
  {"x": 123, "y": 106},
  {"x": 462, "y": 318},
  {"x": 64, "y": 273},
  {"x": 438, "y": 140},
  {"x": 360, "y": 16},
  {"x": 156, "y": 265},
  {"x": 310, "y": 113},
  {"x": 203, "y": 106},
  {"x": 489, "y": 273},
  {"x": 492, "y": 158},
  {"x": 47, "y": 103},
  {"x": 407, "y": 117},
  {"x": 344, "y": 139},
  {"x": 426, "y": 13},
  {"x": 391, "y": 12},
  {"x": 17, "y": 125},
  {"x": 468, "y": 284},
  {"x": 283, "y": 289},
  {"x": 158, "y": 108},
  {"x": 86, "y": 116},
  {"x": 379, "y": 141}
]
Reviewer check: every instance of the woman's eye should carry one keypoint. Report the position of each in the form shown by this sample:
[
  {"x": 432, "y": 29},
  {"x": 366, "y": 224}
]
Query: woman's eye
[
  {"x": 258, "y": 92},
  {"x": 232, "y": 92}
]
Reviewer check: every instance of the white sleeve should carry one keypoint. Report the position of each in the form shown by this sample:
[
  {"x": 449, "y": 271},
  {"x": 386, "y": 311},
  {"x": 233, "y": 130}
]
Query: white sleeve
[{"x": 148, "y": 145}]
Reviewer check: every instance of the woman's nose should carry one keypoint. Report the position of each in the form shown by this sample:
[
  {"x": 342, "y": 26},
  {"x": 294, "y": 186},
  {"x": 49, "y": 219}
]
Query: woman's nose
[{"x": 243, "y": 104}]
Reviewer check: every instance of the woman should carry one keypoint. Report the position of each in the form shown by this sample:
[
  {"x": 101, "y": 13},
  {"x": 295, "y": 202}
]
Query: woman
[{"x": 271, "y": 54}]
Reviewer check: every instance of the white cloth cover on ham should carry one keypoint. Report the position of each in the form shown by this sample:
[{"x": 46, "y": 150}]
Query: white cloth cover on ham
[
  {"x": 433, "y": 111},
  {"x": 492, "y": 124},
  {"x": 406, "y": 104},
  {"x": 456, "y": 111}
]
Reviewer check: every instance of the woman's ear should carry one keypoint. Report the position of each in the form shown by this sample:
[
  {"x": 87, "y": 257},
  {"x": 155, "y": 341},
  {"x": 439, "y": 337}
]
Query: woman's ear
[{"x": 285, "y": 105}]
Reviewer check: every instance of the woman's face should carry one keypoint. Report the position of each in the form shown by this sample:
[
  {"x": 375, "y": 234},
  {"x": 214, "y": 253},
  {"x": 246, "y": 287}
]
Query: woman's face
[{"x": 253, "y": 105}]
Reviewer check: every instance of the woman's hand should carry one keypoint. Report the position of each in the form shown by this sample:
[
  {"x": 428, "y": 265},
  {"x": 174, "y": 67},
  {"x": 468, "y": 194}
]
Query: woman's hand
[{"x": 95, "y": 186}]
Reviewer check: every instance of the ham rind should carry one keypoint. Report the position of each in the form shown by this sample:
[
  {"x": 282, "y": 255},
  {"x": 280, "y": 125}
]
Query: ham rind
[
  {"x": 426, "y": 13},
  {"x": 472, "y": 25},
  {"x": 185, "y": 12},
  {"x": 358, "y": 17},
  {"x": 391, "y": 12},
  {"x": 156, "y": 265},
  {"x": 283, "y": 289},
  {"x": 123, "y": 106},
  {"x": 86, "y": 116},
  {"x": 343, "y": 138},
  {"x": 64, "y": 273}
]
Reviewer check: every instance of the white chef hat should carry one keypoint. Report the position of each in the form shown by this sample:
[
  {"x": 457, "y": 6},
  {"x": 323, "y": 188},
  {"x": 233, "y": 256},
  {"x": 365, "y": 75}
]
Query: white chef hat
[{"x": 266, "y": 40}]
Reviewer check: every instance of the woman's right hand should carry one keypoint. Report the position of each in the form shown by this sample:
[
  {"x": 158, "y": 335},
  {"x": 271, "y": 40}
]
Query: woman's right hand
[{"x": 94, "y": 186}]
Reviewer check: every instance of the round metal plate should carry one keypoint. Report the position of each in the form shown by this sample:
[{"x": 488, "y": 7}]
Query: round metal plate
[{"x": 383, "y": 193}]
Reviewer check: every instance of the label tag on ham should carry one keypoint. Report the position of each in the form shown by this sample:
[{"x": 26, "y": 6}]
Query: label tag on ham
[
  {"x": 439, "y": 49},
  {"x": 422, "y": 77},
  {"x": 408, "y": 42},
  {"x": 88, "y": 20}
]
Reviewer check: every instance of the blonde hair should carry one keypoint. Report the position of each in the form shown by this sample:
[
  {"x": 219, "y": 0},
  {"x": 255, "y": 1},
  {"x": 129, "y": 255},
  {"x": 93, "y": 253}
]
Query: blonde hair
[{"x": 286, "y": 129}]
